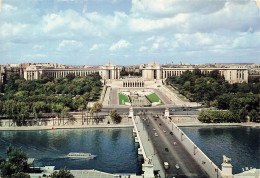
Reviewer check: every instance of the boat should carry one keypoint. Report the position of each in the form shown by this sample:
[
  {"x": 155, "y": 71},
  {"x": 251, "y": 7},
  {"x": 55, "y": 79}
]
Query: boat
[{"x": 81, "y": 155}]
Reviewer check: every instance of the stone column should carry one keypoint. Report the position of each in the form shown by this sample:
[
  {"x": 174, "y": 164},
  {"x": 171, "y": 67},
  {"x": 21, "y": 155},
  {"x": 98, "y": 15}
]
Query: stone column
[
  {"x": 167, "y": 112},
  {"x": 131, "y": 112},
  {"x": 148, "y": 169}
]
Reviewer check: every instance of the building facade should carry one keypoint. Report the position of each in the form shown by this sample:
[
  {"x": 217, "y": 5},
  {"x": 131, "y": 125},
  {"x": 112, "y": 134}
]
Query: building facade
[
  {"x": 107, "y": 72},
  {"x": 232, "y": 74}
]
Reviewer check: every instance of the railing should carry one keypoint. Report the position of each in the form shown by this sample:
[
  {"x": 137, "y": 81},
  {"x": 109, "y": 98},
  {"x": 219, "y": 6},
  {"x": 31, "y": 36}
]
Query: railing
[
  {"x": 138, "y": 136},
  {"x": 210, "y": 168}
]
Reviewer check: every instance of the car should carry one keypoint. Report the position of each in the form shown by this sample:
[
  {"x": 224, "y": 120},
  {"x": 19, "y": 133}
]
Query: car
[
  {"x": 156, "y": 134},
  {"x": 154, "y": 129},
  {"x": 171, "y": 133},
  {"x": 155, "y": 119},
  {"x": 166, "y": 149},
  {"x": 166, "y": 165},
  {"x": 160, "y": 124},
  {"x": 164, "y": 131},
  {"x": 156, "y": 116},
  {"x": 177, "y": 166}
]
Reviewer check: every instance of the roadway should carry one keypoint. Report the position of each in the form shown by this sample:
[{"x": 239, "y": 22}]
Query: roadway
[
  {"x": 174, "y": 110},
  {"x": 170, "y": 149}
]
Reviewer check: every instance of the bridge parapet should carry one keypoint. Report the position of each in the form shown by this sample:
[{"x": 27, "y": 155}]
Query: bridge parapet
[{"x": 202, "y": 159}]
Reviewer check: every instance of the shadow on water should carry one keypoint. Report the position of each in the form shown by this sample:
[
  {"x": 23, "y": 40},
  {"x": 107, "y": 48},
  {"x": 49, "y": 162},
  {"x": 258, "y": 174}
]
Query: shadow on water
[{"x": 241, "y": 144}]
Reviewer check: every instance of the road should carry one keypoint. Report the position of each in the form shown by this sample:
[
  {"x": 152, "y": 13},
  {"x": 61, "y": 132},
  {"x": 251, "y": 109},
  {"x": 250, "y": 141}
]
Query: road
[
  {"x": 176, "y": 153},
  {"x": 174, "y": 110}
]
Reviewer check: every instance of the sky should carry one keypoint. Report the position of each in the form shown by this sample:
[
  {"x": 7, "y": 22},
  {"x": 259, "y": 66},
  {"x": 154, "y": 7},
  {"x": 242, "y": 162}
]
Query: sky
[{"x": 127, "y": 32}]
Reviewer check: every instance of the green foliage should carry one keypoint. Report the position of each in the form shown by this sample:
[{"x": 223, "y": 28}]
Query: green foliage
[
  {"x": 26, "y": 99},
  {"x": 63, "y": 173},
  {"x": 210, "y": 116},
  {"x": 96, "y": 108},
  {"x": 116, "y": 118},
  {"x": 153, "y": 97},
  {"x": 212, "y": 90},
  {"x": 16, "y": 165},
  {"x": 122, "y": 97}
]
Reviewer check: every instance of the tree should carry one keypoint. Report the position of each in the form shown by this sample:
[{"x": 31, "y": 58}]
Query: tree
[
  {"x": 81, "y": 108},
  {"x": 242, "y": 113},
  {"x": 116, "y": 118},
  {"x": 65, "y": 112},
  {"x": 96, "y": 108},
  {"x": 254, "y": 116},
  {"x": 70, "y": 77},
  {"x": 16, "y": 165},
  {"x": 63, "y": 173}
]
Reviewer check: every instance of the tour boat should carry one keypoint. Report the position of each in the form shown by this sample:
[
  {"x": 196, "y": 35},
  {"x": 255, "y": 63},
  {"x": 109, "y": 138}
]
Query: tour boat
[{"x": 81, "y": 155}]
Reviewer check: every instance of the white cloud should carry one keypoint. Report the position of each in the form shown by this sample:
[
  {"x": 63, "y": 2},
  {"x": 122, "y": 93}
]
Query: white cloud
[
  {"x": 155, "y": 46},
  {"x": 85, "y": 7},
  {"x": 8, "y": 7},
  {"x": 144, "y": 24},
  {"x": 69, "y": 45},
  {"x": 150, "y": 38},
  {"x": 163, "y": 8},
  {"x": 9, "y": 29},
  {"x": 96, "y": 46},
  {"x": 169, "y": 27},
  {"x": 38, "y": 46},
  {"x": 142, "y": 48},
  {"x": 70, "y": 22},
  {"x": 120, "y": 44}
]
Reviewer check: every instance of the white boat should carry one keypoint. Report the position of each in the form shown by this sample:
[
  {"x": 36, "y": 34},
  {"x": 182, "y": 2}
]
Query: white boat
[{"x": 81, "y": 155}]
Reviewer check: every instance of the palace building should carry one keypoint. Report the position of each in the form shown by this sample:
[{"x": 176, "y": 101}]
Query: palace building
[
  {"x": 232, "y": 74},
  {"x": 109, "y": 72}
]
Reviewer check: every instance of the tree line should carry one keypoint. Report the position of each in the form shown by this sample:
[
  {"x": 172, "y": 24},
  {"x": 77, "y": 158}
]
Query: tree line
[
  {"x": 211, "y": 89},
  {"x": 26, "y": 99}
]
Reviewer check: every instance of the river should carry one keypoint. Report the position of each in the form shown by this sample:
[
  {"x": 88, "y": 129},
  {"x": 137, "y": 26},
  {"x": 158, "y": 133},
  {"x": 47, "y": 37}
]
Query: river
[
  {"x": 115, "y": 148},
  {"x": 241, "y": 144}
]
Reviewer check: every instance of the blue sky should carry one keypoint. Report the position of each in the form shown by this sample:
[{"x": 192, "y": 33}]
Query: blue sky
[{"x": 93, "y": 32}]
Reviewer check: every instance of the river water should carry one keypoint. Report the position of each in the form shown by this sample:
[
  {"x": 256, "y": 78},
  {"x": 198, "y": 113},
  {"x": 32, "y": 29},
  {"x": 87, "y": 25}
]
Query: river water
[
  {"x": 116, "y": 149},
  {"x": 241, "y": 144}
]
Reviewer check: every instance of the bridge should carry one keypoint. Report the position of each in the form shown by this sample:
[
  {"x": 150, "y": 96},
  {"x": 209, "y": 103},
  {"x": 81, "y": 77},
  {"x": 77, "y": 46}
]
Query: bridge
[{"x": 169, "y": 144}]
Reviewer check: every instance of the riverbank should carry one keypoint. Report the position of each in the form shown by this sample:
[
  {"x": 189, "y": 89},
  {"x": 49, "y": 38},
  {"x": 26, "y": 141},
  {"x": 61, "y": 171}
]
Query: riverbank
[
  {"x": 72, "y": 125},
  {"x": 247, "y": 124}
]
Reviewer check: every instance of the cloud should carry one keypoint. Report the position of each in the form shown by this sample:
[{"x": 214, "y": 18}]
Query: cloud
[
  {"x": 38, "y": 46},
  {"x": 85, "y": 7},
  {"x": 144, "y": 24},
  {"x": 120, "y": 44},
  {"x": 96, "y": 46},
  {"x": 7, "y": 7},
  {"x": 142, "y": 48},
  {"x": 10, "y": 30},
  {"x": 166, "y": 8},
  {"x": 199, "y": 29},
  {"x": 69, "y": 45},
  {"x": 69, "y": 22},
  {"x": 155, "y": 46}
]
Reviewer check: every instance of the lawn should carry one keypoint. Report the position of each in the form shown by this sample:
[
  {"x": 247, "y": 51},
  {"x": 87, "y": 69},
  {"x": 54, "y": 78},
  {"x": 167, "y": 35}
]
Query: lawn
[
  {"x": 122, "y": 97},
  {"x": 154, "y": 98}
]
